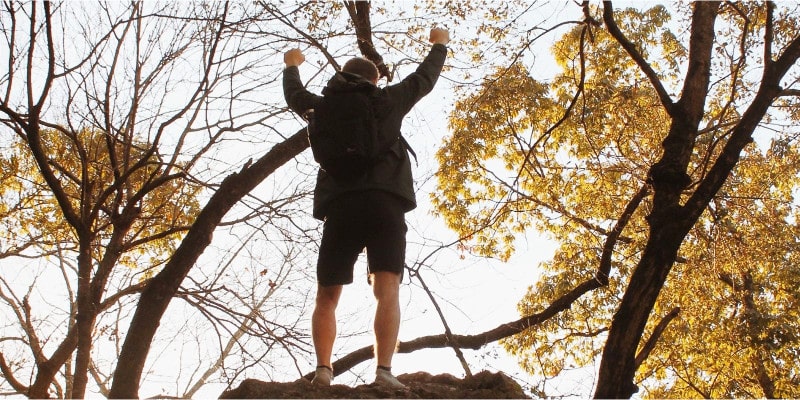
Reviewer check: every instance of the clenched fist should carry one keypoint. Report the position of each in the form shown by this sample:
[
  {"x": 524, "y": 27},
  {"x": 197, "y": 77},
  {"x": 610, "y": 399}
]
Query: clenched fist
[
  {"x": 440, "y": 36},
  {"x": 293, "y": 58}
]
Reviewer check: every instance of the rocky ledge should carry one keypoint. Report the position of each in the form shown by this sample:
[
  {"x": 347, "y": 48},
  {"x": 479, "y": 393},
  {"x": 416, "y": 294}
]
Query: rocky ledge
[{"x": 420, "y": 385}]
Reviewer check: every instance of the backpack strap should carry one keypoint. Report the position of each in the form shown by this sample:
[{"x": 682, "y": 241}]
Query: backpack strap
[{"x": 405, "y": 144}]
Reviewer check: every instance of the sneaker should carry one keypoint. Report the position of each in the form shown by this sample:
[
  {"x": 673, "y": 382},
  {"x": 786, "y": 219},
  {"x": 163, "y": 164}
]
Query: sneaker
[
  {"x": 385, "y": 379},
  {"x": 323, "y": 376}
]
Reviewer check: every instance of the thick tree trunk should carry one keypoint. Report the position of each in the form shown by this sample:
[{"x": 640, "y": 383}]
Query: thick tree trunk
[
  {"x": 669, "y": 221},
  {"x": 85, "y": 319},
  {"x": 618, "y": 365}
]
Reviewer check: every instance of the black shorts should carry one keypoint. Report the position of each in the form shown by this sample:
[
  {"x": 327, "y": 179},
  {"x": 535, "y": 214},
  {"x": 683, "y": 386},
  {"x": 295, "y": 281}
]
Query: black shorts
[{"x": 372, "y": 219}]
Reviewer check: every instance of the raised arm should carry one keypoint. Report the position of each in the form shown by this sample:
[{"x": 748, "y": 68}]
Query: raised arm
[
  {"x": 298, "y": 98},
  {"x": 421, "y": 82}
]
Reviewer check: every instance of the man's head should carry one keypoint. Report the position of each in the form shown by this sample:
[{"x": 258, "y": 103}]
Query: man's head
[{"x": 363, "y": 67}]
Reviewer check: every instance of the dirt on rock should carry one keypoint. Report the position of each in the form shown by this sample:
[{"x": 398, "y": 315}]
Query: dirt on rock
[{"x": 420, "y": 385}]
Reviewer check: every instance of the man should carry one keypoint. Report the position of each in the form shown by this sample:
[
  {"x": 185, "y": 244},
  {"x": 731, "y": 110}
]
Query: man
[{"x": 368, "y": 212}]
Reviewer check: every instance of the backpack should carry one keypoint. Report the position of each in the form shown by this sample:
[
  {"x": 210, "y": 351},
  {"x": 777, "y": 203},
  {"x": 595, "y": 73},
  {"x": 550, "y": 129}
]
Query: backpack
[{"x": 343, "y": 131}]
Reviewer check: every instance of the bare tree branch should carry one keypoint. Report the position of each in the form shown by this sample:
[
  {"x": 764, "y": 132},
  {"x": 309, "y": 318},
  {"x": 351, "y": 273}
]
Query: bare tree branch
[
  {"x": 604, "y": 270},
  {"x": 359, "y": 14},
  {"x": 471, "y": 341},
  {"x": 8, "y": 374},
  {"x": 447, "y": 332}
]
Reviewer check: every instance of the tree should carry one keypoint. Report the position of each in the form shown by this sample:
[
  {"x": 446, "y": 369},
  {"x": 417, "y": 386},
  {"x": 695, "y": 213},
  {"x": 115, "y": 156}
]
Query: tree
[
  {"x": 169, "y": 89},
  {"x": 565, "y": 157},
  {"x": 107, "y": 168},
  {"x": 639, "y": 188},
  {"x": 81, "y": 162}
]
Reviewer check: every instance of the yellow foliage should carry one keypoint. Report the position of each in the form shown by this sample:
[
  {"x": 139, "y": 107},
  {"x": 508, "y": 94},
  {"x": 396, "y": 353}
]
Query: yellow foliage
[
  {"x": 98, "y": 189},
  {"x": 508, "y": 167}
]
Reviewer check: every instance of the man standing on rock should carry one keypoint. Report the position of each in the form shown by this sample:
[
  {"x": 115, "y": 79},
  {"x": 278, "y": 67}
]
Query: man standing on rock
[{"x": 368, "y": 212}]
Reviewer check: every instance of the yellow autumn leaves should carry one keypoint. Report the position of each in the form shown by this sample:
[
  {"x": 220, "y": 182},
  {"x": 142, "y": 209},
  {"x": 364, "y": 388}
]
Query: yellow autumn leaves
[{"x": 511, "y": 165}]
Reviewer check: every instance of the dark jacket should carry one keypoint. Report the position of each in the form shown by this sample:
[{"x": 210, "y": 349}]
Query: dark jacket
[{"x": 393, "y": 172}]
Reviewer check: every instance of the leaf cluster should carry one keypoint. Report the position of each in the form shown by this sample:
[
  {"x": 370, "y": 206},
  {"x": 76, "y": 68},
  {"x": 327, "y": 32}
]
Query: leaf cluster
[
  {"x": 528, "y": 155},
  {"x": 82, "y": 163}
]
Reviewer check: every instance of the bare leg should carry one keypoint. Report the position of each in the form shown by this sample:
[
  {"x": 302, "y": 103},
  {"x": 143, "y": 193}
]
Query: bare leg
[
  {"x": 386, "y": 287},
  {"x": 323, "y": 322}
]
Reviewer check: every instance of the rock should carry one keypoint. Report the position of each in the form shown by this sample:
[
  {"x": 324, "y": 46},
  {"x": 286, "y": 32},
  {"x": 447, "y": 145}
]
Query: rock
[{"x": 421, "y": 385}]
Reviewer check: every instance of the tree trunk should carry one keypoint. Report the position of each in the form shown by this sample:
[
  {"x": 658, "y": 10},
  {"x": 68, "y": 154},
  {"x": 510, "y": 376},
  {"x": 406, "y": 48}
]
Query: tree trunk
[
  {"x": 86, "y": 316},
  {"x": 669, "y": 221},
  {"x": 618, "y": 365}
]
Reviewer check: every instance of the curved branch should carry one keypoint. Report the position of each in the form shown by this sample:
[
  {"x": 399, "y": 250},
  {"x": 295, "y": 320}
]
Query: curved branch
[
  {"x": 9, "y": 376},
  {"x": 11, "y": 12},
  {"x": 611, "y": 240},
  {"x": 613, "y": 29},
  {"x": 51, "y": 57},
  {"x": 31, "y": 123},
  {"x": 657, "y": 332},
  {"x": 116, "y": 297},
  {"x": 527, "y": 160}
]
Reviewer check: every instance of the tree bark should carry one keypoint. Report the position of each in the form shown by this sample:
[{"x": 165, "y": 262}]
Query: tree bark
[
  {"x": 84, "y": 321},
  {"x": 669, "y": 223},
  {"x": 359, "y": 14}
]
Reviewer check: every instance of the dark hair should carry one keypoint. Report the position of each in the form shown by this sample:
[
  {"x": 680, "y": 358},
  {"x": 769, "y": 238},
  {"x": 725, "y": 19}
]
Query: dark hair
[{"x": 363, "y": 67}]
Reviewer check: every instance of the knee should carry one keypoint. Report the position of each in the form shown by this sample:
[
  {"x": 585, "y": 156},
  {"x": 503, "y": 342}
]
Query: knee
[
  {"x": 328, "y": 297},
  {"x": 386, "y": 286}
]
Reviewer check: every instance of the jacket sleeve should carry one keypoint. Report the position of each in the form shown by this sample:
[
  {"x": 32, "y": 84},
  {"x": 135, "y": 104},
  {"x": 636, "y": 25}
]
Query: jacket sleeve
[
  {"x": 415, "y": 86},
  {"x": 298, "y": 98}
]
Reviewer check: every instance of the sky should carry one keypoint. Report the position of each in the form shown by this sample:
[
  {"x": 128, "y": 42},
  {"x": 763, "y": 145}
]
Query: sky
[{"x": 476, "y": 294}]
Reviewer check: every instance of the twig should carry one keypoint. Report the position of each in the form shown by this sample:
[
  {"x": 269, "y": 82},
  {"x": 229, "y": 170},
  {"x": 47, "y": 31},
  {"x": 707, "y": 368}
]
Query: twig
[{"x": 447, "y": 332}]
